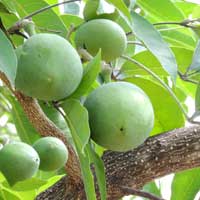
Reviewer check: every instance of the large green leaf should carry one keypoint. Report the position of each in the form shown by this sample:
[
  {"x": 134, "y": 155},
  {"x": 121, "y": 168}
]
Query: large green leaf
[
  {"x": 8, "y": 59},
  {"x": 100, "y": 171},
  {"x": 25, "y": 130},
  {"x": 7, "y": 6},
  {"x": 190, "y": 181},
  {"x": 183, "y": 58},
  {"x": 121, "y": 6},
  {"x": 90, "y": 74},
  {"x": 163, "y": 10},
  {"x": 77, "y": 120},
  {"x": 178, "y": 38},
  {"x": 47, "y": 20},
  {"x": 154, "y": 42},
  {"x": 9, "y": 194},
  {"x": 196, "y": 58},
  {"x": 168, "y": 115},
  {"x": 29, "y": 184}
]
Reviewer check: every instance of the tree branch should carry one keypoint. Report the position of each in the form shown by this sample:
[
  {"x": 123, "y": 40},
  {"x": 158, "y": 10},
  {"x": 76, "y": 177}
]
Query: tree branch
[{"x": 170, "y": 152}]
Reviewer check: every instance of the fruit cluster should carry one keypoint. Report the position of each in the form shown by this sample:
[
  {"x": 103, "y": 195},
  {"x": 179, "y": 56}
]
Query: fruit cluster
[
  {"x": 49, "y": 68},
  {"x": 20, "y": 161}
]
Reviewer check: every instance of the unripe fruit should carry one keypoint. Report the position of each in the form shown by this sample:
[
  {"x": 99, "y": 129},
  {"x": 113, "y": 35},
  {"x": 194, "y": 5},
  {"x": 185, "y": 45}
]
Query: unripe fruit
[
  {"x": 102, "y": 34},
  {"x": 49, "y": 68},
  {"x": 120, "y": 116},
  {"x": 52, "y": 152},
  {"x": 18, "y": 161}
]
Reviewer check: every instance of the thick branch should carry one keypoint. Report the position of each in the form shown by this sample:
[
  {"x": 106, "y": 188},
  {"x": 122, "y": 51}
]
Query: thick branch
[{"x": 160, "y": 155}]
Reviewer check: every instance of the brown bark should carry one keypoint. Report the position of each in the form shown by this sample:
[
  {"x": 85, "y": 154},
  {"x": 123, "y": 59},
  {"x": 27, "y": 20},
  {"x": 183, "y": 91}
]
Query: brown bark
[{"x": 160, "y": 155}]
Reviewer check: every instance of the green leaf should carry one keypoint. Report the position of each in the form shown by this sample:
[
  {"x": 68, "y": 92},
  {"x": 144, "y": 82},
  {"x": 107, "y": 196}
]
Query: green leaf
[
  {"x": 71, "y": 20},
  {"x": 8, "y": 59},
  {"x": 78, "y": 116},
  {"x": 9, "y": 194},
  {"x": 29, "y": 184},
  {"x": 183, "y": 58},
  {"x": 25, "y": 130},
  {"x": 3, "y": 8},
  {"x": 154, "y": 42},
  {"x": 162, "y": 10},
  {"x": 179, "y": 38},
  {"x": 186, "y": 184},
  {"x": 100, "y": 171},
  {"x": 121, "y": 6},
  {"x": 7, "y": 7},
  {"x": 77, "y": 120},
  {"x": 197, "y": 98},
  {"x": 54, "y": 115},
  {"x": 196, "y": 58},
  {"x": 49, "y": 183},
  {"x": 168, "y": 115},
  {"x": 72, "y": 8},
  {"x": 47, "y": 20},
  {"x": 90, "y": 74},
  {"x": 152, "y": 188}
]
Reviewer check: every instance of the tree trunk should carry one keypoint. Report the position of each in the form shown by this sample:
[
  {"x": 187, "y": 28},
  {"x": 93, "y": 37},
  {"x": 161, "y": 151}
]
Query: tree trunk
[{"x": 169, "y": 152}]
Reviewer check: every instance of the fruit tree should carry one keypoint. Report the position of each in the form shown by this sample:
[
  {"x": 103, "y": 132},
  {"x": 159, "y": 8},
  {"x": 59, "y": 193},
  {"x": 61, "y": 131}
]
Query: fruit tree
[{"x": 99, "y": 99}]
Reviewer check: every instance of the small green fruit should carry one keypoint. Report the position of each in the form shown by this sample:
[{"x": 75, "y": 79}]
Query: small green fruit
[
  {"x": 18, "y": 161},
  {"x": 102, "y": 34},
  {"x": 120, "y": 116},
  {"x": 52, "y": 152},
  {"x": 49, "y": 68}
]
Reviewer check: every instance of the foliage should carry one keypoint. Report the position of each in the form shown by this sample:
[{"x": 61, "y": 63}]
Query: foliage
[{"x": 164, "y": 49}]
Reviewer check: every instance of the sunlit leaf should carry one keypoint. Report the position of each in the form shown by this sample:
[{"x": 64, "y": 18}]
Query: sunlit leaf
[
  {"x": 154, "y": 42},
  {"x": 196, "y": 58},
  {"x": 190, "y": 181}
]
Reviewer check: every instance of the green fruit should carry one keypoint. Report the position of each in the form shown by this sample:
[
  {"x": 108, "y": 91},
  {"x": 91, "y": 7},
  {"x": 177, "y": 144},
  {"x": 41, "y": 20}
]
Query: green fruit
[
  {"x": 18, "y": 51},
  {"x": 18, "y": 161},
  {"x": 102, "y": 34},
  {"x": 91, "y": 11},
  {"x": 52, "y": 152},
  {"x": 120, "y": 116},
  {"x": 49, "y": 68}
]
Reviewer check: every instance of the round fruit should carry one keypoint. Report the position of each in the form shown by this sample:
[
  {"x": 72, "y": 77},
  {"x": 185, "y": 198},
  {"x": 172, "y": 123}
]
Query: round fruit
[
  {"x": 91, "y": 9},
  {"x": 102, "y": 34},
  {"x": 120, "y": 115},
  {"x": 52, "y": 152},
  {"x": 18, "y": 161},
  {"x": 49, "y": 68}
]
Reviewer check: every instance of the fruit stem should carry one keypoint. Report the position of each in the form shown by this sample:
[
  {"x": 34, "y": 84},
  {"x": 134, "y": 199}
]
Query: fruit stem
[
  {"x": 30, "y": 28},
  {"x": 159, "y": 80},
  {"x": 106, "y": 72}
]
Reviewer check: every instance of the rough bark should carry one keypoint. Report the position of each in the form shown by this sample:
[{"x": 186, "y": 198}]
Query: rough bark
[{"x": 170, "y": 152}]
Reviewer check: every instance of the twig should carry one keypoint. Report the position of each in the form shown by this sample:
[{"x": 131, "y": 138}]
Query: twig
[
  {"x": 186, "y": 23},
  {"x": 158, "y": 79},
  {"x": 136, "y": 43},
  {"x": 128, "y": 191},
  {"x": 184, "y": 77}
]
